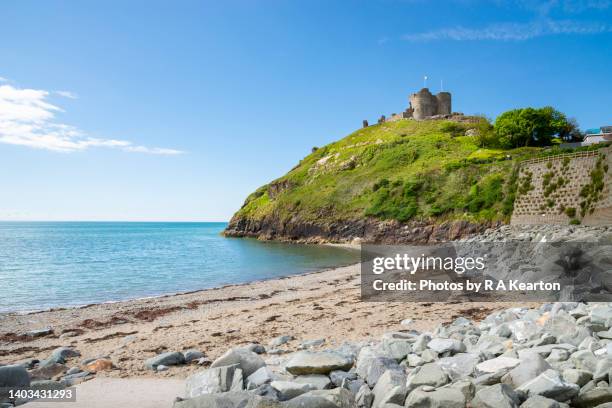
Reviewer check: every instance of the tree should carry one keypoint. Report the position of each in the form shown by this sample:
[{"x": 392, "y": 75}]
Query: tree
[
  {"x": 485, "y": 135},
  {"x": 532, "y": 127}
]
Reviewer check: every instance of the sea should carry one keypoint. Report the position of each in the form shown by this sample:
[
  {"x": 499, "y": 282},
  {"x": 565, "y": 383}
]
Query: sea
[{"x": 47, "y": 265}]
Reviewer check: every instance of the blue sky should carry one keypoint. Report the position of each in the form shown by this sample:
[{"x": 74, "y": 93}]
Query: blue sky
[{"x": 145, "y": 110}]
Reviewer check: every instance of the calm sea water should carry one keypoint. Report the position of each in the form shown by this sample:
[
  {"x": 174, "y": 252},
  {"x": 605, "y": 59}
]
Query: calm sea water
[{"x": 50, "y": 264}]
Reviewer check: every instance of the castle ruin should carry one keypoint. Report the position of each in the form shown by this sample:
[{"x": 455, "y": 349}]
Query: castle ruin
[
  {"x": 422, "y": 105},
  {"x": 425, "y": 105}
]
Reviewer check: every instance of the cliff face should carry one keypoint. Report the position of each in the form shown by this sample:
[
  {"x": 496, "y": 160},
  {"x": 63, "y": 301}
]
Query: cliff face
[
  {"x": 397, "y": 182},
  {"x": 365, "y": 230}
]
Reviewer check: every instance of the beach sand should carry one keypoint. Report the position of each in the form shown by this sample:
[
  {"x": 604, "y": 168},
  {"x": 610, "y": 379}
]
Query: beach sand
[{"x": 317, "y": 305}]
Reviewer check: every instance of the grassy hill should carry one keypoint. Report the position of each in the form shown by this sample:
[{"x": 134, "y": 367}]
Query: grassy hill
[{"x": 420, "y": 173}]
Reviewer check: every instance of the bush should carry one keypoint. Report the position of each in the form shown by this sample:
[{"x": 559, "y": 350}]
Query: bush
[
  {"x": 455, "y": 129},
  {"x": 486, "y": 193},
  {"x": 570, "y": 212},
  {"x": 397, "y": 200}
]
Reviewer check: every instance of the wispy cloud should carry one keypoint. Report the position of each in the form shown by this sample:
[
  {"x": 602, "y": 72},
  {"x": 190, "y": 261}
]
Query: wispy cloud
[
  {"x": 3, "y": 79},
  {"x": 566, "y": 6},
  {"x": 67, "y": 94},
  {"x": 383, "y": 40},
  {"x": 511, "y": 31},
  {"x": 28, "y": 119}
]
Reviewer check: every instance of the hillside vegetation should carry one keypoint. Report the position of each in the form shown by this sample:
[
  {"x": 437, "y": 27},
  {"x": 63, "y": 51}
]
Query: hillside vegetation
[{"x": 405, "y": 170}]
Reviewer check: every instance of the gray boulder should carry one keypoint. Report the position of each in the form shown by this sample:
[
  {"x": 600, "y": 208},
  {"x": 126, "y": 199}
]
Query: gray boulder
[
  {"x": 429, "y": 374},
  {"x": 73, "y": 370},
  {"x": 291, "y": 389},
  {"x": 60, "y": 354},
  {"x": 167, "y": 359},
  {"x": 414, "y": 360},
  {"x": 353, "y": 385},
  {"x": 319, "y": 381},
  {"x": 338, "y": 376},
  {"x": 460, "y": 365},
  {"x": 491, "y": 346},
  {"x": 308, "y": 344},
  {"x": 364, "y": 359},
  {"x": 267, "y": 391},
  {"x": 585, "y": 360},
  {"x": 397, "y": 349},
  {"x": 336, "y": 398},
  {"x": 214, "y": 380},
  {"x": 280, "y": 340},
  {"x": 420, "y": 343},
  {"x": 248, "y": 361},
  {"x": 466, "y": 386},
  {"x": 497, "y": 364},
  {"x": 490, "y": 379},
  {"x": 261, "y": 376},
  {"x": 377, "y": 368},
  {"x": 601, "y": 314},
  {"x": 557, "y": 356},
  {"x": 549, "y": 384},
  {"x": 523, "y": 330},
  {"x": 527, "y": 370},
  {"x": 308, "y": 362},
  {"x": 602, "y": 369},
  {"x": 256, "y": 348},
  {"x": 593, "y": 397},
  {"x": 192, "y": 355},
  {"x": 429, "y": 356},
  {"x": 364, "y": 397},
  {"x": 546, "y": 349},
  {"x": 441, "y": 398},
  {"x": 240, "y": 399},
  {"x": 576, "y": 376},
  {"x": 440, "y": 346},
  {"x": 538, "y": 401},
  {"x": 496, "y": 396},
  {"x": 14, "y": 376},
  {"x": 390, "y": 388}
]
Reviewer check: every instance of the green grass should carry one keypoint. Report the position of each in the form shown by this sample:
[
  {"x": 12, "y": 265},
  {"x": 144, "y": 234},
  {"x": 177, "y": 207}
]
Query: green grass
[{"x": 400, "y": 170}]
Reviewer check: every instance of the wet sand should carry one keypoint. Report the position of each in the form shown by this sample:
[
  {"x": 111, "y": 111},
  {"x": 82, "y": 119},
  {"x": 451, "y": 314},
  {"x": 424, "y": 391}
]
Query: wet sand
[{"x": 317, "y": 305}]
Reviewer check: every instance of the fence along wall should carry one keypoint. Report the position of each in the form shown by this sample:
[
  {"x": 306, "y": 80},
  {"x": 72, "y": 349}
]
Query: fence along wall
[{"x": 559, "y": 189}]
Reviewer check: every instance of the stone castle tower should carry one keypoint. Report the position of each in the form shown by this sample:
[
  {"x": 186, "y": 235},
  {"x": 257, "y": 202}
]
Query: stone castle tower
[{"x": 424, "y": 104}]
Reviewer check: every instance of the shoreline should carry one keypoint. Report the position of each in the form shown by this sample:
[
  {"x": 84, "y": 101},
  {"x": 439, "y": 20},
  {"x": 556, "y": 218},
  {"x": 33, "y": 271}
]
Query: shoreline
[
  {"x": 316, "y": 305},
  {"x": 189, "y": 292}
]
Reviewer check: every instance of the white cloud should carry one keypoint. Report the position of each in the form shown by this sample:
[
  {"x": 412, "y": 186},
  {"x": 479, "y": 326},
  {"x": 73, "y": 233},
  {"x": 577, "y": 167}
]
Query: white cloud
[
  {"x": 28, "y": 119},
  {"x": 3, "y": 79},
  {"x": 67, "y": 94},
  {"x": 511, "y": 31}
]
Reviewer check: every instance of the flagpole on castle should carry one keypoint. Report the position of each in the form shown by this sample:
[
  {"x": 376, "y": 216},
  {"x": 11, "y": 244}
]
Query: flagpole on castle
[{"x": 425, "y": 81}]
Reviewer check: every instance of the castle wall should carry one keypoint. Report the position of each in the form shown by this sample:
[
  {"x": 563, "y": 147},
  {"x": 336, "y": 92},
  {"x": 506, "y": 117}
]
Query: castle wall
[
  {"x": 444, "y": 103},
  {"x": 534, "y": 207}
]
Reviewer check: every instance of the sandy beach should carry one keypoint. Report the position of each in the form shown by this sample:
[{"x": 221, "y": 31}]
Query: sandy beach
[{"x": 317, "y": 305}]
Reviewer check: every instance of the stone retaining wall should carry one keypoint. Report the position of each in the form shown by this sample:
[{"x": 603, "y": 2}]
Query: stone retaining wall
[{"x": 535, "y": 207}]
